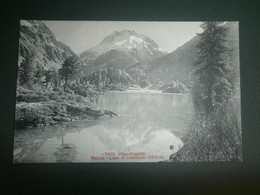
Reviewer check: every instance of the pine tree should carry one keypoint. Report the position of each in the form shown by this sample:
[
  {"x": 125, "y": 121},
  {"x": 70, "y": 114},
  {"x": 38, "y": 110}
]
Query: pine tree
[
  {"x": 49, "y": 74},
  {"x": 56, "y": 79},
  {"x": 39, "y": 74},
  {"x": 213, "y": 71},
  {"x": 70, "y": 69},
  {"x": 26, "y": 72}
]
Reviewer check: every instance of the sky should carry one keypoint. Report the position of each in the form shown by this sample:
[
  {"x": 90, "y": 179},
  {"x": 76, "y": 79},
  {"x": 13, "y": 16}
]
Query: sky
[{"x": 82, "y": 35}]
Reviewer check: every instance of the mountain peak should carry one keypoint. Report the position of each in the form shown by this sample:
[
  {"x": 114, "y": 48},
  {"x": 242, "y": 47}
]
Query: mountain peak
[
  {"x": 127, "y": 32},
  {"x": 127, "y": 40},
  {"x": 138, "y": 46},
  {"x": 116, "y": 35}
]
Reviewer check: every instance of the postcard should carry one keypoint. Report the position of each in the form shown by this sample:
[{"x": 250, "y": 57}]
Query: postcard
[{"x": 127, "y": 91}]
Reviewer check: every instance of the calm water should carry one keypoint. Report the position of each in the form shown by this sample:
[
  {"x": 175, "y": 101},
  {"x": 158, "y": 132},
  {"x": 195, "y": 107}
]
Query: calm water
[{"x": 148, "y": 123}]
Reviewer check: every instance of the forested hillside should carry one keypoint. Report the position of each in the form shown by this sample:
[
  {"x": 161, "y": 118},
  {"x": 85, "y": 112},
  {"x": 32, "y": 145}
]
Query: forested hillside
[
  {"x": 50, "y": 85},
  {"x": 178, "y": 65},
  {"x": 215, "y": 133}
]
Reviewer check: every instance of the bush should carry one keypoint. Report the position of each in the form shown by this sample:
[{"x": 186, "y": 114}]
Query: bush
[
  {"x": 171, "y": 87},
  {"x": 54, "y": 96},
  {"x": 58, "y": 89},
  {"x": 22, "y": 90},
  {"x": 31, "y": 98},
  {"x": 115, "y": 87},
  {"x": 216, "y": 137},
  {"x": 69, "y": 91}
]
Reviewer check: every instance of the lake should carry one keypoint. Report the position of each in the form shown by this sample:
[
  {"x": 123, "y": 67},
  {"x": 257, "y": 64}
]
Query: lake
[{"x": 148, "y": 123}]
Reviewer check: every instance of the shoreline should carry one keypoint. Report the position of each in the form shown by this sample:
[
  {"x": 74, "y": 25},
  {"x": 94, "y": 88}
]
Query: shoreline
[
  {"x": 142, "y": 90},
  {"x": 44, "y": 108}
]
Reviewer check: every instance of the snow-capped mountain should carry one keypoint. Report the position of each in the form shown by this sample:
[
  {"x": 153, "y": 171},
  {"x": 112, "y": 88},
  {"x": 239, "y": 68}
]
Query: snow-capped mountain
[
  {"x": 125, "y": 46},
  {"x": 39, "y": 44}
]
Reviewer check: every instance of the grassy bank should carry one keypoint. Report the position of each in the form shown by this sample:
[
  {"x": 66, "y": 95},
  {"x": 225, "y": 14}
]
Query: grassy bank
[{"x": 217, "y": 137}]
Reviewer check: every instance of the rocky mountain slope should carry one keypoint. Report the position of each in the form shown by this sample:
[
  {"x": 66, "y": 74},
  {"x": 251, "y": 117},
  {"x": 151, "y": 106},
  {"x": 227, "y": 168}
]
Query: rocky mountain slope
[
  {"x": 174, "y": 66},
  {"x": 178, "y": 65},
  {"x": 38, "y": 43},
  {"x": 122, "y": 49},
  {"x": 43, "y": 101}
]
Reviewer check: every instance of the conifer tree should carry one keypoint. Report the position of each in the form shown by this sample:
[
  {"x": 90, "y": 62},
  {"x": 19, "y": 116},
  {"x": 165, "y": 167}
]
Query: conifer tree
[
  {"x": 26, "y": 73},
  {"x": 56, "y": 78},
  {"x": 70, "y": 69},
  {"x": 49, "y": 74},
  {"x": 213, "y": 70},
  {"x": 39, "y": 74}
]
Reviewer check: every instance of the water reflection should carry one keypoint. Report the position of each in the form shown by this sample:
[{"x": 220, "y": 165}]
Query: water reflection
[
  {"x": 171, "y": 111},
  {"x": 66, "y": 152},
  {"x": 148, "y": 122},
  {"x": 37, "y": 144}
]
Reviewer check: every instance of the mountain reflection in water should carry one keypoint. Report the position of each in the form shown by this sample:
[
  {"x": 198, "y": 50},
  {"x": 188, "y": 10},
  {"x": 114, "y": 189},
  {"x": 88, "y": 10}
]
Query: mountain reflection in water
[{"x": 148, "y": 122}]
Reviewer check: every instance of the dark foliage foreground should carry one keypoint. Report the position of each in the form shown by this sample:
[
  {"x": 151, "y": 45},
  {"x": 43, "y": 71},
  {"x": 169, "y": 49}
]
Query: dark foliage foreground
[{"x": 216, "y": 137}]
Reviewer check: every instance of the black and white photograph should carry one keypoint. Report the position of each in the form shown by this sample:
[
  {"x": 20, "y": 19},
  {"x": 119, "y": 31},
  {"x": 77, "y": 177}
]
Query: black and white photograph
[{"x": 127, "y": 91}]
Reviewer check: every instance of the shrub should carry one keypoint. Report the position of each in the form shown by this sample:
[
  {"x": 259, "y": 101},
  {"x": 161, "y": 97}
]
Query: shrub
[
  {"x": 58, "y": 89},
  {"x": 173, "y": 87},
  {"x": 215, "y": 137},
  {"x": 54, "y": 96},
  {"x": 31, "y": 97}
]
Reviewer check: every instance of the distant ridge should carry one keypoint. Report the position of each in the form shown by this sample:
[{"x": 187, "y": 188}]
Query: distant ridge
[{"x": 178, "y": 64}]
